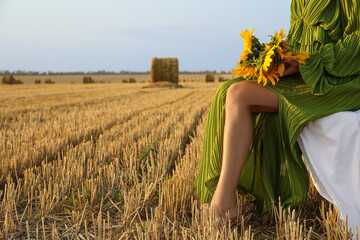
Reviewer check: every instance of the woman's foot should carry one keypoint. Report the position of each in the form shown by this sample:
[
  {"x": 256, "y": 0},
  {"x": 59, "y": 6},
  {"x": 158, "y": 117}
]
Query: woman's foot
[
  {"x": 224, "y": 214},
  {"x": 225, "y": 208}
]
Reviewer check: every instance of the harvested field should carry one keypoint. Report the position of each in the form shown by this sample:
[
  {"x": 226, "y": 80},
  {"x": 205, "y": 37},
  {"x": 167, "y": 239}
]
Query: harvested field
[{"x": 118, "y": 161}]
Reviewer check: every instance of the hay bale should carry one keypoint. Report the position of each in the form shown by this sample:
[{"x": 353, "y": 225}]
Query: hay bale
[
  {"x": 132, "y": 80},
  {"x": 37, "y": 81},
  {"x": 8, "y": 79},
  {"x": 88, "y": 79},
  {"x": 48, "y": 81},
  {"x": 209, "y": 77},
  {"x": 164, "y": 69},
  {"x": 163, "y": 85},
  {"x": 124, "y": 81}
]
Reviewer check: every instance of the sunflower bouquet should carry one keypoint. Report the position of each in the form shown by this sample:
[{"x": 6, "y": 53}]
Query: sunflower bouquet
[{"x": 266, "y": 62}]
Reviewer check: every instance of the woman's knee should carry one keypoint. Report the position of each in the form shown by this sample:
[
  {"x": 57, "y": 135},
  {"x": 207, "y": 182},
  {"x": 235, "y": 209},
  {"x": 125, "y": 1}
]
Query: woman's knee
[
  {"x": 252, "y": 96},
  {"x": 223, "y": 89},
  {"x": 240, "y": 93}
]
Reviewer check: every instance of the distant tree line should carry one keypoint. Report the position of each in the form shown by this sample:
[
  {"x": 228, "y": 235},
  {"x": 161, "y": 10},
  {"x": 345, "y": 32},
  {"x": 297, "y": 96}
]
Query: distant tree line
[
  {"x": 101, "y": 72},
  {"x": 206, "y": 71}
]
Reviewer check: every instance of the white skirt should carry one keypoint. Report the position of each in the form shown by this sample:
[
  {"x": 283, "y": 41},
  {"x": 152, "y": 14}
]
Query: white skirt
[{"x": 331, "y": 149}]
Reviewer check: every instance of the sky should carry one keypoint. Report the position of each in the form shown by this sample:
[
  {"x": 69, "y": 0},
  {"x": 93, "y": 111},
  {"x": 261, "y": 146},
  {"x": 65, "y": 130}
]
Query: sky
[{"x": 115, "y": 35}]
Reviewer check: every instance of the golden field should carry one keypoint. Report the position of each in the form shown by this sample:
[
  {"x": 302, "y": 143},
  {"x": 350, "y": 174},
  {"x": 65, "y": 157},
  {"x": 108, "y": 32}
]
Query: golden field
[{"x": 118, "y": 161}]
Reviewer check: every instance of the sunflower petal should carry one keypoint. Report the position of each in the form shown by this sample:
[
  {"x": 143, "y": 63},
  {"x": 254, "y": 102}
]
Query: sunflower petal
[
  {"x": 281, "y": 69},
  {"x": 271, "y": 79}
]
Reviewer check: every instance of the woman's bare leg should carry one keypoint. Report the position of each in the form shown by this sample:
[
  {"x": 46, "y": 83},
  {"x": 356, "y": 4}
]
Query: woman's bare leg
[{"x": 243, "y": 98}]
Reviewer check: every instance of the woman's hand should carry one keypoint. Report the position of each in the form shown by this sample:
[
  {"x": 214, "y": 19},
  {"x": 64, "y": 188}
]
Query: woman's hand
[{"x": 291, "y": 67}]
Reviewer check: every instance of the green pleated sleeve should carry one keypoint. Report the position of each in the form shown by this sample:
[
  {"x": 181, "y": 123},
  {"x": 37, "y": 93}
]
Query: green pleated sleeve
[{"x": 336, "y": 62}]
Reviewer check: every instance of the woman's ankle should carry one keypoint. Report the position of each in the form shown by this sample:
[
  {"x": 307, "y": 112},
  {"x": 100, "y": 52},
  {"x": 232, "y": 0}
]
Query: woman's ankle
[{"x": 223, "y": 201}]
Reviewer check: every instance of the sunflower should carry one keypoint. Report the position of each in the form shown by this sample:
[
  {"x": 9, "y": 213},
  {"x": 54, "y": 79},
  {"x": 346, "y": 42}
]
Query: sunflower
[
  {"x": 269, "y": 69},
  {"x": 266, "y": 62},
  {"x": 262, "y": 77},
  {"x": 265, "y": 76},
  {"x": 245, "y": 71},
  {"x": 268, "y": 59},
  {"x": 272, "y": 76},
  {"x": 283, "y": 50},
  {"x": 280, "y": 36},
  {"x": 247, "y": 38}
]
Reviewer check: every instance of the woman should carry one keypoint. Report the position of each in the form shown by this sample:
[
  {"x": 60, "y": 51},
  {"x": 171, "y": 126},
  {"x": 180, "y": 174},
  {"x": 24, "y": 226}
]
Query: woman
[{"x": 268, "y": 120}]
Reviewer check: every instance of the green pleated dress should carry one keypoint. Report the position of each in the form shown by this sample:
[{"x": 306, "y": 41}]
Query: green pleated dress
[{"x": 328, "y": 83}]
